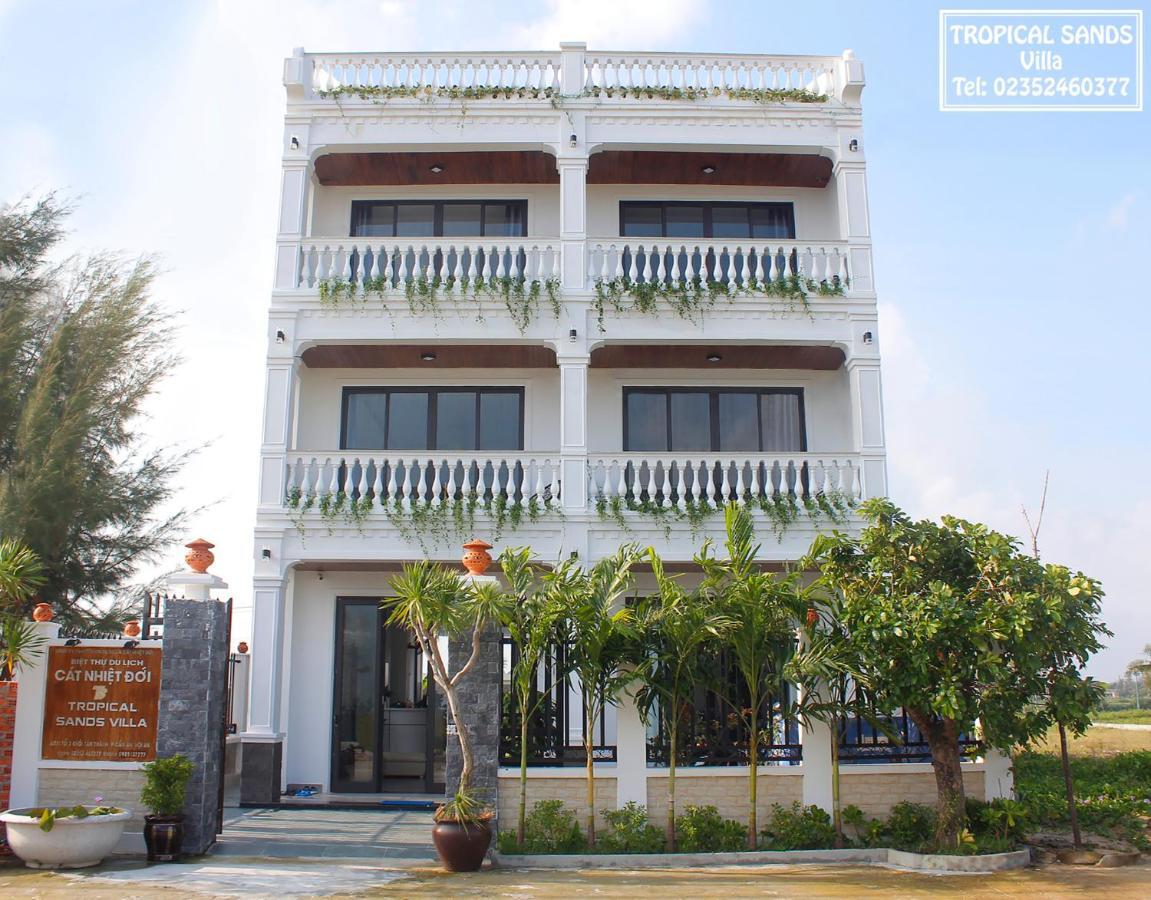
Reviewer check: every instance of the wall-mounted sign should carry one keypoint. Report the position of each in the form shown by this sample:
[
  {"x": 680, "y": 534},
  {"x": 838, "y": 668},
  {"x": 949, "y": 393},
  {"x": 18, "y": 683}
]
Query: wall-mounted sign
[{"x": 101, "y": 703}]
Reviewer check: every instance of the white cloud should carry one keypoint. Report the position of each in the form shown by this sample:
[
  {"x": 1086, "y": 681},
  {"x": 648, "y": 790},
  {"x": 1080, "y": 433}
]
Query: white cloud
[{"x": 1118, "y": 214}]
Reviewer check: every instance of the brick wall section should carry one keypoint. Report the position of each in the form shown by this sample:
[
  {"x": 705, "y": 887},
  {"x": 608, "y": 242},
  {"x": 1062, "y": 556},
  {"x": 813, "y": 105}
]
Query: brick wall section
[
  {"x": 118, "y": 787},
  {"x": 572, "y": 791},
  {"x": 727, "y": 793},
  {"x": 479, "y": 696},
  {"x": 8, "y": 691},
  {"x": 192, "y": 707},
  {"x": 875, "y": 793}
]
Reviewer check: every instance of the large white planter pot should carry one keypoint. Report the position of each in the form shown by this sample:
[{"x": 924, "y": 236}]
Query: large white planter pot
[{"x": 71, "y": 844}]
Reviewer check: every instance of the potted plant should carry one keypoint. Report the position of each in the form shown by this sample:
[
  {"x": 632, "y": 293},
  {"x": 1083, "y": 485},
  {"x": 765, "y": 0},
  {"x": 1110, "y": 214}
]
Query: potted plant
[
  {"x": 431, "y": 600},
  {"x": 65, "y": 837},
  {"x": 165, "y": 783}
]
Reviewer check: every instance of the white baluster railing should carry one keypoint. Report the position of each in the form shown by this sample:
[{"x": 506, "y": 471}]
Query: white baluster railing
[
  {"x": 710, "y": 479},
  {"x": 435, "y": 72},
  {"x": 421, "y": 477},
  {"x": 738, "y": 263},
  {"x": 388, "y": 263}
]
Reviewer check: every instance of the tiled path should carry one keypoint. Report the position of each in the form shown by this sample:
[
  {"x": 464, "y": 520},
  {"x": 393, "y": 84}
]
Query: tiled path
[{"x": 394, "y": 838}]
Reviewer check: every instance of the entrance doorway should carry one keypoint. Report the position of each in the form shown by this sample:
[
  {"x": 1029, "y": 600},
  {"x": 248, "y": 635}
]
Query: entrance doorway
[{"x": 389, "y": 723}]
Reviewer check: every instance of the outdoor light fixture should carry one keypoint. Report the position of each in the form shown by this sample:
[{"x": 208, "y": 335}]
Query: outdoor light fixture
[
  {"x": 573, "y": 141},
  {"x": 428, "y": 356},
  {"x": 280, "y": 337},
  {"x": 295, "y": 142},
  {"x": 266, "y": 553},
  {"x": 853, "y": 145},
  {"x": 320, "y": 575},
  {"x": 435, "y": 168},
  {"x": 131, "y": 645},
  {"x": 708, "y": 170},
  {"x": 572, "y": 335},
  {"x": 868, "y": 337},
  {"x": 72, "y": 642},
  {"x": 714, "y": 357}
]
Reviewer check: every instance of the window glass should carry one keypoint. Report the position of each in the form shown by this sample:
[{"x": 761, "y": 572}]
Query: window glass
[
  {"x": 642, "y": 221},
  {"x": 684, "y": 221},
  {"x": 646, "y": 421},
  {"x": 456, "y": 420},
  {"x": 504, "y": 220},
  {"x": 738, "y": 421},
  {"x": 462, "y": 219},
  {"x": 729, "y": 222},
  {"x": 415, "y": 220},
  {"x": 374, "y": 220},
  {"x": 500, "y": 421},
  {"x": 772, "y": 220},
  {"x": 408, "y": 421},
  {"x": 782, "y": 428},
  {"x": 366, "y": 418},
  {"x": 690, "y": 421}
]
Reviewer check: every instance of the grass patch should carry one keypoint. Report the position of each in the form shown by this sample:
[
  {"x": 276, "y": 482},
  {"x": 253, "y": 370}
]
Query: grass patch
[
  {"x": 1125, "y": 716},
  {"x": 1098, "y": 742}
]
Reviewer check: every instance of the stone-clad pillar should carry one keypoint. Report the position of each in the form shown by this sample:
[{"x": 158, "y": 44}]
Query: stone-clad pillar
[{"x": 479, "y": 696}]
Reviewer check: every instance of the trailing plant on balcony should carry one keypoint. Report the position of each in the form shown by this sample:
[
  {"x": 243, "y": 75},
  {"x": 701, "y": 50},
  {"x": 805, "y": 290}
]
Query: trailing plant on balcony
[
  {"x": 521, "y": 297},
  {"x": 382, "y": 93},
  {"x": 690, "y": 297}
]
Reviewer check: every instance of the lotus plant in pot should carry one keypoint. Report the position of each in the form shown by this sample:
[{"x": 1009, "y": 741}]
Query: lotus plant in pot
[
  {"x": 431, "y": 600},
  {"x": 165, "y": 784}
]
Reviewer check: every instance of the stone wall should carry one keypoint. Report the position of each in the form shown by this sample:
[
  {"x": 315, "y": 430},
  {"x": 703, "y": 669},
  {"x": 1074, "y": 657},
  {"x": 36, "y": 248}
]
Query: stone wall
[
  {"x": 572, "y": 791},
  {"x": 72, "y": 787},
  {"x": 8, "y": 691},
  {"x": 727, "y": 793},
  {"x": 479, "y": 697},
  {"x": 876, "y": 792}
]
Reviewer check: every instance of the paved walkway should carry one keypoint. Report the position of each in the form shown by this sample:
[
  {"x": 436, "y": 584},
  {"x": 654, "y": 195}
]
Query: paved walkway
[{"x": 395, "y": 838}]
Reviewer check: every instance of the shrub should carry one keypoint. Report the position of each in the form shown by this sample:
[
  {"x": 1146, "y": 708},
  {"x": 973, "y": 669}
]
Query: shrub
[
  {"x": 550, "y": 827},
  {"x": 629, "y": 831},
  {"x": 165, "y": 783},
  {"x": 798, "y": 828},
  {"x": 868, "y": 832},
  {"x": 701, "y": 829},
  {"x": 911, "y": 826}
]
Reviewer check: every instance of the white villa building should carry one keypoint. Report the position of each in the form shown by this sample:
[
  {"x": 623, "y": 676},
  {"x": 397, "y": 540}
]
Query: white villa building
[{"x": 566, "y": 299}]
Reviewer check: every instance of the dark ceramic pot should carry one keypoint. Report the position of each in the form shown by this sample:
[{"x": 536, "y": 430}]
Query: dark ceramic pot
[
  {"x": 163, "y": 836},
  {"x": 462, "y": 847}
]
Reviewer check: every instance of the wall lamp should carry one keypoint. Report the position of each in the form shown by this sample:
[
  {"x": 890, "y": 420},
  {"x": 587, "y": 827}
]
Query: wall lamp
[
  {"x": 573, "y": 141},
  {"x": 572, "y": 335},
  {"x": 435, "y": 168},
  {"x": 131, "y": 645},
  {"x": 714, "y": 357},
  {"x": 868, "y": 337},
  {"x": 280, "y": 337},
  {"x": 853, "y": 145},
  {"x": 428, "y": 356},
  {"x": 708, "y": 170},
  {"x": 295, "y": 143},
  {"x": 320, "y": 575},
  {"x": 266, "y": 553},
  {"x": 72, "y": 642}
]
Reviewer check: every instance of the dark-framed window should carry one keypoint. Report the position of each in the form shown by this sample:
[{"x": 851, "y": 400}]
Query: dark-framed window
[
  {"x": 441, "y": 418},
  {"x": 439, "y": 218},
  {"x": 706, "y": 219},
  {"x": 756, "y": 420}
]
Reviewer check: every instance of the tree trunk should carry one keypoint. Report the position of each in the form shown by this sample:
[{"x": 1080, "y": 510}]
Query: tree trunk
[
  {"x": 753, "y": 773},
  {"x": 521, "y": 818},
  {"x": 836, "y": 813},
  {"x": 673, "y": 734},
  {"x": 951, "y": 808},
  {"x": 1069, "y": 786},
  {"x": 589, "y": 747},
  {"x": 464, "y": 738}
]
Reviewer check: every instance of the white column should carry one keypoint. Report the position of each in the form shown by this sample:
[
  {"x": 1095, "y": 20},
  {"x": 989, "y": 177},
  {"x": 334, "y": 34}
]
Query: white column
[
  {"x": 816, "y": 767},
  {"x": 631, "y": 753},
  {"x": 280, "y": 390},
  {"x": 32, "y": 679},
  {"x": 867, "y": 422},
  {"x": 267, "y": 660},
  {"x": 573, "y": 429},
  {"x": 294, "y": 186},
  {"x": 572, "y": 164},
  {"x": 850, "y": 173},
  {"x": 998, "y": 774}
]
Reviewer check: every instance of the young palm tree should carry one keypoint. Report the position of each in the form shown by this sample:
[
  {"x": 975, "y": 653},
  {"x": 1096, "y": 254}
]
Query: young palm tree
[
  {"x": 531, "y": 618},
  {"x": 21, "y": 572},
  {"x": 431, "y": 600},
  {"x": 764, "y": 611},
  {"x": 678, "y": 632},
  {"x": 598, "y": 630}
]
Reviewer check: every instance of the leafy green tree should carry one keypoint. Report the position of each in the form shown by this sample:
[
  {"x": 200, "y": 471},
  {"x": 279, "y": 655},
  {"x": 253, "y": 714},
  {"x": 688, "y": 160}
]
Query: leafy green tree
[
  {"x": 599, "y": 630},
  {"x": 82, "y": 347},
  {"x": 952, "y": 622},
  {"x": 532, "y": 619},
  {"x": 678, "y": 634},
  {"x": 763, "y": 611}
]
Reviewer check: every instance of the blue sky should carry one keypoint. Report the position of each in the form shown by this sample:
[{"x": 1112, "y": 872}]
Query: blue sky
[{"x": 1009, "y": 246}]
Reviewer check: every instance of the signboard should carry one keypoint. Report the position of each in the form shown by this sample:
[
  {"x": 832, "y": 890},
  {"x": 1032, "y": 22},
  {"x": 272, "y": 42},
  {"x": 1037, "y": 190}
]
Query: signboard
[{"x": 101, "y": 703}]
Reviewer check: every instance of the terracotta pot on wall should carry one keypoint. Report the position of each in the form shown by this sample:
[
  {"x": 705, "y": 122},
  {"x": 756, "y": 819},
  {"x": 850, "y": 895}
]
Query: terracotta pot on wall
[
  {"x": 199, "y": 555},
  {"x": 476, "y": 558},
  {"x": 132, "y": 629},
  {"x": 42, "y": 612}
]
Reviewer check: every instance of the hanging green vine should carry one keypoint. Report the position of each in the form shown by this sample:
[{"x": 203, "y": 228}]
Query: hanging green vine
[
  {"x": 781, "y": 510},
  {"x": 379, "y": 93},
  {"x": 689, "y": 298},
  {"x": 520, "y": 296}
]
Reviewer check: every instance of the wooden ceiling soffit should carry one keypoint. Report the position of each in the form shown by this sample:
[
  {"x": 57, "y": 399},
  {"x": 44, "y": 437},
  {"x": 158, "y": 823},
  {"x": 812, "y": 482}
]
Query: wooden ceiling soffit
[
  {"x": 678, "y": 356},
  {"x": 673, "y": 167},
  {"x": 473, "y": 167},
  {"x": 410, "y": 356}
]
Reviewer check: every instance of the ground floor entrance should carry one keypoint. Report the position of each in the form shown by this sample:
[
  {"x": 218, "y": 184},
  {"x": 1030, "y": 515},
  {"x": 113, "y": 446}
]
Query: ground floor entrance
[{"x": 389, "y": 723}]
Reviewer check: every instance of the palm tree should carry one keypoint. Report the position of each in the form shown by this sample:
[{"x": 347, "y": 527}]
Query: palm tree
[
  {"x": 531, "y": 618},
  {"x": 21, "y": 572},
  {"x": 598, "y": 630},
  {"x": 431, "y": 600},
  {"x": 764, "y": 611},
  {"x": 677, "y": 636}
]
